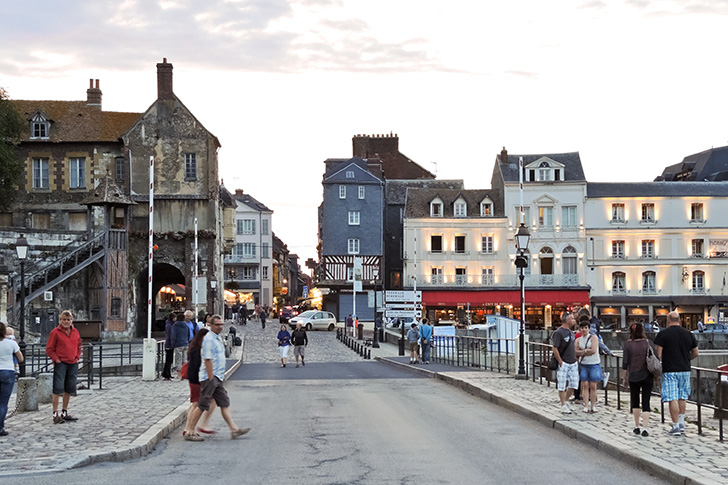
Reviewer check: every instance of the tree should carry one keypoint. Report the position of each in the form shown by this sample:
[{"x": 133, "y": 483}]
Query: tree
[{"x": 11, "y": 125}]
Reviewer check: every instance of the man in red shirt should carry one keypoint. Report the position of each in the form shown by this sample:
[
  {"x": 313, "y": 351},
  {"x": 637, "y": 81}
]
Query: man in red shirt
[{"x": 64, "y": 349}]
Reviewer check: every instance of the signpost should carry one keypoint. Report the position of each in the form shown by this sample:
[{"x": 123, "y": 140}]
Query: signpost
[
  {"x": 403, "y": 304},
  {"x": 404, "y": 313}
]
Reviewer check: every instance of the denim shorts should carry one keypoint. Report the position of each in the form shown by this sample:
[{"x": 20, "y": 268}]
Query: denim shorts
[
  {"x": 64, "y": 378},
  {"x": 590, "y": 373}
]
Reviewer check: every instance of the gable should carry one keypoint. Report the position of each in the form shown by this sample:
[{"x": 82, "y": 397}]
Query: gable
[
  {"x": 360, "y": 175},
  {"x": 545, "y": 162},
  {"x": 545, "y": 200}
]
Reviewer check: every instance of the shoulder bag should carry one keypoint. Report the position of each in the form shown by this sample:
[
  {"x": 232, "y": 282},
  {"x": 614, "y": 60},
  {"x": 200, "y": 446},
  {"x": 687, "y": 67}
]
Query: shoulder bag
[{"x": 653, "y": 363}]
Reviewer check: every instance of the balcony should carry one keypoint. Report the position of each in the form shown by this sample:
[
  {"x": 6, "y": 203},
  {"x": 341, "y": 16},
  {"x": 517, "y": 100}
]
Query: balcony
[
  {"x": 495, "y": 281},
  {"x": 240, "y": 258}
]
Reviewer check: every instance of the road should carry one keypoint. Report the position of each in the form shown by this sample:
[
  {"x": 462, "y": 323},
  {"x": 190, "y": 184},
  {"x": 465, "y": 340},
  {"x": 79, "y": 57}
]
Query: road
[{"x": 362, "y": 422}]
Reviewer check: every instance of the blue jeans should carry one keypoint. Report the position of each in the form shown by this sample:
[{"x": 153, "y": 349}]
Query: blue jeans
[
  {"x": 7, "y": 381},
  {"x": 426, "y": 350}
]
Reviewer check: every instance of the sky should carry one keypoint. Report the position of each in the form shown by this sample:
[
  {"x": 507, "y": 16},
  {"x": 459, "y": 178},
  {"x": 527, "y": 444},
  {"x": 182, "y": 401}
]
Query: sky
[{"x": 633, "y": 85}]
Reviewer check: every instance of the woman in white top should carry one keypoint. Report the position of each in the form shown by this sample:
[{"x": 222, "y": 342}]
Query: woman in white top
[
  {"x": 8, "y": 348},
  {"x": 587, "y": 349}
]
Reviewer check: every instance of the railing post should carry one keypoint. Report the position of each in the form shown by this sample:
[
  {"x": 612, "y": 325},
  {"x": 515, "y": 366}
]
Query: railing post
[
  {"x": 101, "y": 363},
  {"x": 90, "y": 364},
  {"x": 697, "y": 400}
]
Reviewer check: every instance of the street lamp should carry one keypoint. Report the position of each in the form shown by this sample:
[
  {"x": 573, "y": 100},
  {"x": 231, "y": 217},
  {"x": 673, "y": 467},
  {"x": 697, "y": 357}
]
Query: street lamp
[
  {"x": 21, "y": 247},
  {"x": 213, "y": 287},
  {"x": 375, "y": 341},
  {"x": 522, "y": 238}
]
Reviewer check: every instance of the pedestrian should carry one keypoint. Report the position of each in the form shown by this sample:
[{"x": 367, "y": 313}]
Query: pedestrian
[
  {"x": 180, "y": 341},
  {"x": 64, "y": 349},
  {"x": 637, "y": 376},
  {"x": 168, "y": 347},
  {"x": 8, "y": 350},
  {"x": 349, "y": 325},
  {"x": 701, "y": 327},
  {"x": 413, "y": 337},
  {"x": 425, "y": 340},
  {"x": 284, "y": 343},
  {"x": 676, "y": 347},
  {"x": 567, "y": 375},
  {"x": 587, "y": 349},
  {"x": 263, "y": 315},
  {"x": 299, "y": 338},
  {"x": 191, "y": 325},
  {"x": 212, "y": 375},
  {"x": 194, "y": 354},
  {"x": 10, "y": 335}
]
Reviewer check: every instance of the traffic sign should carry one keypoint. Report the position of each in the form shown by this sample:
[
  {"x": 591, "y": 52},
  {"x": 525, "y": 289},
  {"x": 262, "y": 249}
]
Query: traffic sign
[
  {"x": 402, "y": 295},
  {"x": 404, "y": 306},
  {"x": 403, "y": 313},
  {"x": 305, "y": 292}
]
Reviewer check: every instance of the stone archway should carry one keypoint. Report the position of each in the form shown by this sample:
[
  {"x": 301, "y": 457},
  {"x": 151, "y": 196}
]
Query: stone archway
[{"x": 164, "y": 274}]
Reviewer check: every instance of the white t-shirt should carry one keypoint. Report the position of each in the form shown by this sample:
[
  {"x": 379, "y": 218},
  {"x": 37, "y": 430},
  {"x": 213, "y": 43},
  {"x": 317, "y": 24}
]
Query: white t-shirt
[
  {"x": 7, "y": 350},
  {"x": 593, "y": 341}
]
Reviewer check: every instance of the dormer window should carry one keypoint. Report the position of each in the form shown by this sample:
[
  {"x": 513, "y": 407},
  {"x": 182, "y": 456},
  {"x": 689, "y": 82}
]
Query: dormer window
[
  {"x": 39, "y": 127},
  {"x": 486, "y": 208},
  {"x": 460, "y": 208},
  {"x": 436, "y": 208},
  {"x": 545, "y": 170},
  {"x": 350, "y": 174}
]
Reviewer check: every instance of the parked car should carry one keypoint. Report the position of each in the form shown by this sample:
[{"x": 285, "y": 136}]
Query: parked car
[
  {"x": 287, "y": 312},
  {"x": 311, "y": 319},
  {"x": 714, "y": 328},
  {"x": 408, "y": 321}
]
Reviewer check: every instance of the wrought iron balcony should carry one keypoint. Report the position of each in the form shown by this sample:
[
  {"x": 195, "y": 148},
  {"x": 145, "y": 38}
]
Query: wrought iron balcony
[{"x": 495, "y": 280}]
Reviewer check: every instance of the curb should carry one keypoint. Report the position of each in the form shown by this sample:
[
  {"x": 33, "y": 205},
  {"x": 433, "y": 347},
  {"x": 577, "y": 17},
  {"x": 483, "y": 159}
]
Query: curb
[{"x": 655, "y": 466}]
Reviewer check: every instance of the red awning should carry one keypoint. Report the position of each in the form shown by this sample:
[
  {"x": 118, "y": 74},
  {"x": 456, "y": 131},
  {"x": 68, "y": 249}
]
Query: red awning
[{"x": 506, "y": 297}]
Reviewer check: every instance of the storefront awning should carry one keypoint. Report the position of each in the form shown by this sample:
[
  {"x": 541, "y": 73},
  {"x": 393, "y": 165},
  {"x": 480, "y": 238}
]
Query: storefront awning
[
  {"x": 693, "y": 300},
  {"x": 506, "y": 297}
]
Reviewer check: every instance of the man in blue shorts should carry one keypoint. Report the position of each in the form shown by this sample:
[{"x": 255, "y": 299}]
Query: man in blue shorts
[{"x": 676, "y": 347}]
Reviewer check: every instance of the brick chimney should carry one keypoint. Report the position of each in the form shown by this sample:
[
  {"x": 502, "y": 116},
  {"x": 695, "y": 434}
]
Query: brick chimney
[
  {"x": 504, "y": 156},
  {"x": 239, "y": 192},
  {"x": 93, "y": 95},
  {"x": 164, "y": 80}
]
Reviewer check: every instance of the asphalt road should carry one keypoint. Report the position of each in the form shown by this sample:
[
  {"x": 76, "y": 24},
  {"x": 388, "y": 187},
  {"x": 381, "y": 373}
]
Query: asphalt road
[{"x": 361, "y": 422}]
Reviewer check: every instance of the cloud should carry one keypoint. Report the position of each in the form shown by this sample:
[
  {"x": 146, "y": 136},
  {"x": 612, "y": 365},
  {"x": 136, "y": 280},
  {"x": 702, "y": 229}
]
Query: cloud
[
  {"x": 593, "y": 4},
  {"x": 660, "y": 8},
  {"x": 247, "y": 35}
]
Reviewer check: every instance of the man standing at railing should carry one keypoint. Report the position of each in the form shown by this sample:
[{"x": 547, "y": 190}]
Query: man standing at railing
[
  {"x": 426, "y": 340},
  {"x": 64, "y": 349},
  {"x": 564, "y": 351}
]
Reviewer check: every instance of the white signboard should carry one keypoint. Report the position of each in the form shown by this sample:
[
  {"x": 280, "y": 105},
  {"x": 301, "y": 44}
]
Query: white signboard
[
  {"x": 201, "y": 291},
  {"x": 404, "y": 306},
  {"x": 403, "y": 313},
  {"x": 443, "y": 330},
  {"x": 402, "y": 295},
  {"x": 357, "y": 286}
]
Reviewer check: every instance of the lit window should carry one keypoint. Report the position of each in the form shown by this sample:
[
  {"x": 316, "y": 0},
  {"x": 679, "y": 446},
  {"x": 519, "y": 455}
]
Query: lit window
[
  {"x": 618, "y": 282},
  {"x": 696, "y": 212},
  {"x": 648, "y": 248},
  {"x": 618, "y": 249},
  {"x": 569, "y": 261},
  {"x": 487, "y": 244},
  {"x": 436, "y": 275},
  {"x": 361, "y": 191},
  {"x": 78, "y": 173},
  {"x": 461, "y": 276},
  {"x": 697, "y": 248},
  {"x": 546, "y": 216},
  {"x": 648, "y": 212},
  {"x": 342, "y": 191},
  {"x": 40, "y": 173},
  {"x": 648, "y": 282},
  {"x": 190, "y": 166},
  {"x": 486, "y": 209},
  {"x": 487, "y": 276},
  {"x": 698, "y": 281},
  {"x": 617, "y": 212},
  {"x": 353, "y": 246},
  {"x": 354, "y": 218}
]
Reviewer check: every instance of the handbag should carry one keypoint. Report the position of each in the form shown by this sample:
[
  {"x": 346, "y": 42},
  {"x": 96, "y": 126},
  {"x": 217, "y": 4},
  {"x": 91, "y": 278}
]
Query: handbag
[
  {"x": 653, "y": 363},
  {"x": 183, "y": 370},
  {"x": 553, "y": 363}
]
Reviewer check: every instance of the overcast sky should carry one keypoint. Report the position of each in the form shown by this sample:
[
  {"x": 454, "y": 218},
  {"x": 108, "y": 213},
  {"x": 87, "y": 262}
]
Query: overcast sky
[{"x": 633, "y": 85}]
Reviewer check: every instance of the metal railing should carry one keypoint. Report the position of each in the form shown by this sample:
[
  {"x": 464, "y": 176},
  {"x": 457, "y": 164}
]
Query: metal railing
[{"x": 477, "y": 352}]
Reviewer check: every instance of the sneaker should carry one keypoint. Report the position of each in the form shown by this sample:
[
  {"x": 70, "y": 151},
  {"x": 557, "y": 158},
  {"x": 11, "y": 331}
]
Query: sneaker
[
  {"x": 682, "y": 427},
  {"x": 303, "y": 363},
  {"x": 193, "y": 437},
  {"x": 645, "y": 433},
  {"x": 636, "y": 431},
  {"x": 239, "y": 432},
  {"x": 565, "y": 409},
  {"x": 586, "y": 409},
  {"x": 593, "y": 410},
  {"x": 68, "y": 417},
  {"x": 296, "y": 366},
  {"x": 675, "y": 432},
  {"x": 57, "y": 419},
  {"x": 605, "y": 381},
  {"x": 3, "y": 433}
]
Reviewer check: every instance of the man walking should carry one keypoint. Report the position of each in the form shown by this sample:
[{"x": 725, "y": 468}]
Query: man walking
[
  {"x": 212, "y": 374},
  {"x": 180, "y": 341},
  {"x": 300, "y": 341},
  {"x": 64, "y": 349},
  {"x": 413, "y": 337},
  {"x": 568, "y": 373},
  {"x": 426, "y": 340},
  {"x": 676, "y": 347}
]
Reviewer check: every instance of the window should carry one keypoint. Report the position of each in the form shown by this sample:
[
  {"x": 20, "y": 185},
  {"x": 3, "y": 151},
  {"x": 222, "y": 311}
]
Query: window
[
  {"x": 248, "y": 250},
  {"x": 436, "y": 244},
  {"x": 486, "y": 209},
  {"x": 698, "y": 281},
  {"x": 648, "y": 213},
  {"x": 40, "y": 173},
  {"x": 568, "y": 216},
  {"x": 401, "y": 215},
  {"x": 354, "y": 218},
  {"x": 239, "y": 224},
  {"x": 78, "y": 173},
  {"x": 648, "y": 282},
  {"x": 120, "y": 169},
  {"x": 39, "y": 127},
  {"x": 40, "y": 220},
  {"x": 238, "y": 250},
  {"x": 350, "y": 174},
  {"x": 461, "y": 276},
  {"x": 526, "y": 215},
  {"x": 460, "y": 209},
  {"x": 487, "y": 275},
  {"x": 362, "y": 191},
  {"x": 342, "y": 191},
  {"x": 248, "y": 226},
  {"x": 696, "y": 212},
  {"x": 618, "y": 282},
  {"x": 250, "y": 273},
  {"x": 115, "y": 308},
  {"x": 190, "y": 166},
  {"x": 546, "y": 216},
  {"x": 349, "y": 273},
  {"x": 460, "y": 244},
  {"x": 569, "y": 261},
  {"x": 264, "y": 250},
  {"x": 436, "y": 209},
  {"x": 618, "y": 249},
  {"x": 617, "y": 212},
  {"x": 77, "y": 221},
  {"x": 697, "y": 248},
  {"x": 264, "y": 226},
  {"x": 264, "y": 272},
  {"x": 544, "y": 174},
  {"x": 487, "y": 244},
  {"x": 648, "y": 248},
  {"x": 436, "y": 275},
  {"x": 353, "y": 246}
]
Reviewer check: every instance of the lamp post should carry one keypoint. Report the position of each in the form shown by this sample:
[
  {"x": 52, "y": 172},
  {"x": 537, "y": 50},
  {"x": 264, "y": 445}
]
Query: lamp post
[
  {"x": 522, "y": 238},
  {"x": 377, "y": 318},
  {"x": 21, "y": 247},
  {"x": 213, "y": 287}
]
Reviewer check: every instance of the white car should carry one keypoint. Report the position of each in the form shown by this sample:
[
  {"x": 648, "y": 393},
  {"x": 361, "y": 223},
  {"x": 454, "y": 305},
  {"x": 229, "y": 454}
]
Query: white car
[{"x": 311, "y": 319}]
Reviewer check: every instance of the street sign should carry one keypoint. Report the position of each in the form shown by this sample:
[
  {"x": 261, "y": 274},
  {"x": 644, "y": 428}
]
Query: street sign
[
  {"x": 402, "y": 295},
  {"x": 403, "y": 313},
  {"x": 304, "y": 293},
  {"x": 358, "y": 286},
  {"x": 404, "y": 306}
]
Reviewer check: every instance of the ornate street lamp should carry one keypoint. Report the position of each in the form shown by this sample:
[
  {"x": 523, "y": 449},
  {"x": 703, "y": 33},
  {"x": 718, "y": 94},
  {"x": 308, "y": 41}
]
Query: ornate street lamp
[
  {"x": 21, "y": 247},
  {"x": 522, "y": 239}
]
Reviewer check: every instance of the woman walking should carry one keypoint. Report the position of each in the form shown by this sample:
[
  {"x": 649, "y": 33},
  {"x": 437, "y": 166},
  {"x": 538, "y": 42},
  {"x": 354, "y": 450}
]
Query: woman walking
[
  {"x": 587, "y": 348},
  {"x": 193, "y": 375},
  {"x": 284, "y": 343},
  {"x": 634, "y": 370},
  {"x": 8, "y": 349}
]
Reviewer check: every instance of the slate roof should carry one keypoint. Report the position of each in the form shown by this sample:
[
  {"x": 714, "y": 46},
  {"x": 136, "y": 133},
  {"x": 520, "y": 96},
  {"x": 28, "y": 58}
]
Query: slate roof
[
  {"x": 573, "y": 171},
  {"x": 107, "y": 193},
  {"x": 226, "y": 197},
  {"x": 335, "y": 171},
  {"x": 396, "y": 190},
  {"x": 656, "y": 189},
  {"x": 251, "y": 202},
  {"x": 418, "y": 202},
  {"x": 711, "y": 165},
  {"x": 74, "y": 121}
]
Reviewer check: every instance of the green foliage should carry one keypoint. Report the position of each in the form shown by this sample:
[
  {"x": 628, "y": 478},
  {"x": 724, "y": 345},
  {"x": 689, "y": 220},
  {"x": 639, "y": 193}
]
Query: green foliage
[{"x": 11, "y": 125}]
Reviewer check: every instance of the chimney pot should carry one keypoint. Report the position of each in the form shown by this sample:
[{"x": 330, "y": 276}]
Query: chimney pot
[
  {"x": 239, "y": 192},
  {"x": 504, "y": 155},
  {"x": 93, "y": 95}
]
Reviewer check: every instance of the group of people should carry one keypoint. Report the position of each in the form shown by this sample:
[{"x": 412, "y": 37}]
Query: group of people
[
  {"x": 420, "y": 338},
  {"x": 579, "y": 365},
  {"x": 298, "y": 338}
]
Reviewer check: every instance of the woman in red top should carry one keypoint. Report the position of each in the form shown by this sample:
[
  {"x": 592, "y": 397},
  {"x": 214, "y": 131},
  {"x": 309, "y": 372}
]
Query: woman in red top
[{"x": 64, "y": 349}]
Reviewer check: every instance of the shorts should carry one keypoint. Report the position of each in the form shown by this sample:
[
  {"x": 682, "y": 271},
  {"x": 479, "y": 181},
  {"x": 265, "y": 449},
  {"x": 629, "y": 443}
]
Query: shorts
[
  {"x": 64, "y": 378},
  {"x": 414, "y": 346},
  {"x": 675, "y": 386},
  {"x": 284, "y": 351},
  {"x": 567, "y": 373},
  {"x": 591, "y": 373},
  {"x": 194, "y": 392},
  {"x": 298, "y": 350},
  {"x": 213, "y": 389}
]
